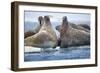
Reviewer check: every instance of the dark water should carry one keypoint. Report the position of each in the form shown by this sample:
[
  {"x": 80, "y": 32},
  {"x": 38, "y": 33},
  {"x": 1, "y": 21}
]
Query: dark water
[{"x": 62, "y": 54}]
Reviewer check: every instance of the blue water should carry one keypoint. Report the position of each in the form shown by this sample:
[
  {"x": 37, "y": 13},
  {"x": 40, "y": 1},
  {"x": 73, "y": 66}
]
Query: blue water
[{"x": 62, "y": 54}]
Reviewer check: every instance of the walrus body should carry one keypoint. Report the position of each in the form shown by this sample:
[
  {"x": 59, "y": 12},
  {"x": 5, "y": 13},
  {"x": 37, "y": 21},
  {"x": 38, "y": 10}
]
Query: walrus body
[
  {"x": 70, "y": 36},
  {"x": 45, "y": 38}
]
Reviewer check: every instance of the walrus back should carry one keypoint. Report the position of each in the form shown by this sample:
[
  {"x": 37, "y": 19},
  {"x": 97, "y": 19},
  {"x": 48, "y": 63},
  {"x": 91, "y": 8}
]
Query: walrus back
[{"x": 75, "y": 37}]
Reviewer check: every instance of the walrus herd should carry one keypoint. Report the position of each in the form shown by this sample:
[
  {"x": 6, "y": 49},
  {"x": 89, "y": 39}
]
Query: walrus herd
[{"x": 45, "y": 37}]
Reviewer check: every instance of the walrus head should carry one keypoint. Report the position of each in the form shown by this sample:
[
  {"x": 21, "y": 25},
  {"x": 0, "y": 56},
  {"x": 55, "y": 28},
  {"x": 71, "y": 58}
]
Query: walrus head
[
  {"x": 41, "y": 20},
  {"x": 65, "y": 21},
  {"x": 47, "y": 20},
  {"x": 64, "y": 25}
]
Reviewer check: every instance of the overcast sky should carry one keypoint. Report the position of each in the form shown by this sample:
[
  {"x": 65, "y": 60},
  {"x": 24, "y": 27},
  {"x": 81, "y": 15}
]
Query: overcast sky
[{"x": 56, "y": 17}]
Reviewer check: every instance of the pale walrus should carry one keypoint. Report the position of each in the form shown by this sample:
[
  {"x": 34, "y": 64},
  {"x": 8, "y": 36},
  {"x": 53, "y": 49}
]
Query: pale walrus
[
  {"x": 32, "y": 32},
  {"x": 45, "y": 38},
  {"x": 70, "y": 36}
]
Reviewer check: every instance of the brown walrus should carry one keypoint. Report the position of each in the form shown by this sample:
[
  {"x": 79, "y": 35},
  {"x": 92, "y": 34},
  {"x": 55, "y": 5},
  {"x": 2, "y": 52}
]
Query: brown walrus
[
  {"x": 70, "y": 36},
  {"x": 45, "y": 38},
  {"x": 83, "y": 27},
  {"x": 32, "y": 32}
]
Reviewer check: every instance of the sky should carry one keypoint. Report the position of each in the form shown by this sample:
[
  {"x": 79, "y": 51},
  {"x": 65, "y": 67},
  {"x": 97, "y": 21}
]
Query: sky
[{"x": 32, "y": 16}]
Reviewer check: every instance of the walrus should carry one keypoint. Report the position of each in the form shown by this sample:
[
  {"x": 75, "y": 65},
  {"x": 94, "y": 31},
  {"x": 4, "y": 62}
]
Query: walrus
[
  {"x": 70, "y": 36},
  {"x": 83, "y": 27},
  {"x": 45, "y": 38},
  {"x": 32, "y": 32}
]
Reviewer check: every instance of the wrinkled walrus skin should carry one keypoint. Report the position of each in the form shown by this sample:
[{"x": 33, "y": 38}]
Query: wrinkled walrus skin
[
  {"x": 70, "y": 36},
  {"x": 45, "y": 38}
]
